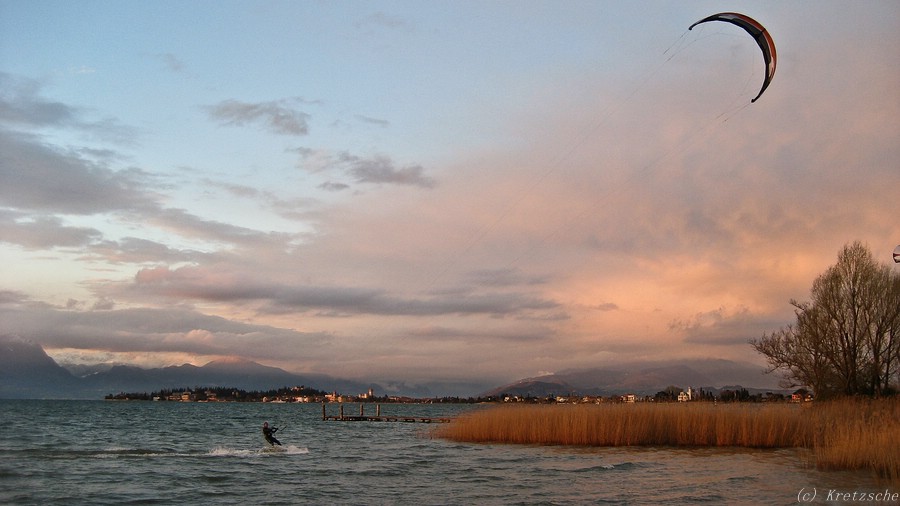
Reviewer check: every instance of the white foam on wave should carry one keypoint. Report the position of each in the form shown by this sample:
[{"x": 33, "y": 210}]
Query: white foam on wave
[
  {"x": 231, "y": 452},
  {"x": 220, "y": 451},
  {"x": 277, "y": 450}
]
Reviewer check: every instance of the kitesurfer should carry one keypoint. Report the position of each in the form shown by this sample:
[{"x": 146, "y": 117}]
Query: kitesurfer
[{"x": 268, "y": 434}]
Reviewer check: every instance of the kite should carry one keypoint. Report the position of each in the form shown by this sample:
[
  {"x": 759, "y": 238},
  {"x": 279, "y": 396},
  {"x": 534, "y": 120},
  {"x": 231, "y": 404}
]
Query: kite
[
  {"x": 897, "y": 255},
  {"x": 766, "y": 44}
]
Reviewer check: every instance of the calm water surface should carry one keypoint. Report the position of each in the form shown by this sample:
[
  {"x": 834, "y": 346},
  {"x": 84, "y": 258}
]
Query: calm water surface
[{"x": 97, "y": 452}]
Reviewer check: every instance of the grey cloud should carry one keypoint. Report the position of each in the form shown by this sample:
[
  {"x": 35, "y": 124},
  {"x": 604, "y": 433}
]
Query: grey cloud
[
  {"x": 136, "y": 250},
  {"x": 193, "y": 226},
  {"x": 22, "y": 106},
  {"x": 43, "y": 232},
  {"x": 276, "y": 298},
  {"x": 152, "y": 330},
  {"x": 103, "y": 304},
  {"x": 237, "y": 190},
  {"x": 376, "y": 169},
  {"x": 12, "y": 298},
  {"x": 171, "y": 61},
  {"x": 333, "y": 187},
  {"x": 276, "y": 116},
  {"x": 37, "y": 177},
  {"x": 373, "y": 121},
  {"x": 109, "y": 129},
  {"x": 723, "y": 327},
  {"x": 381, "y": 169},
  {"x": 532, "y": 333},
  {"x": 294, "y": 208},
  {"x": 504, "y": 277}
]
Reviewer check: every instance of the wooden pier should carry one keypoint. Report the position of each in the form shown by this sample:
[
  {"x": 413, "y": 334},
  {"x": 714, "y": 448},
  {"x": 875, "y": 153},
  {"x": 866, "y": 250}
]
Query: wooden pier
[{"x": 378, "y": 417}]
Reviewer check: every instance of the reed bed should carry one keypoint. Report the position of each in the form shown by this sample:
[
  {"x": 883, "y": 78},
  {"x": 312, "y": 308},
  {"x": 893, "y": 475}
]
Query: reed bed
[
  {"x": 858, "y": 434},
  {"x": 846, "y": 434}
]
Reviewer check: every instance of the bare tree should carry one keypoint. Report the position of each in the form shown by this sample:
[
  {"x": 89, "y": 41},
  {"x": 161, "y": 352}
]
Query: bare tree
[{"x": 846, "y": 340}]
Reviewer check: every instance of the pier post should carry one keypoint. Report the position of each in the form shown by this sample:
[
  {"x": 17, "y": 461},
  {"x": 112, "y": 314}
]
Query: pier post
[
  {"x": 378, "y": 410},
  {"x": 342, "y": 411},
  {"x": 360, "y": 409},
  {"x": 323, "y": 411}
]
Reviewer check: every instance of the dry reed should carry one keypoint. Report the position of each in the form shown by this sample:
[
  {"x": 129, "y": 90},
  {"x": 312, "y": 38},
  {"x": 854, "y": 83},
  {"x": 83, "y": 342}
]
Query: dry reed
[{"x": 846, "y": 434}]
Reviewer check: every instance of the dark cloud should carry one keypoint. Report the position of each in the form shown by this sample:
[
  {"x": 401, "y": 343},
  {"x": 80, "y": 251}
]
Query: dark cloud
[{"x": 276, "y": 116}]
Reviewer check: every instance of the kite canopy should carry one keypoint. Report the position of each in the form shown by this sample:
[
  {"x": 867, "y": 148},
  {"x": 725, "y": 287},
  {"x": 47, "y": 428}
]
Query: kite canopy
[
  {"x": 766, "y": 44},
  {"x": 897, "y": 255}
]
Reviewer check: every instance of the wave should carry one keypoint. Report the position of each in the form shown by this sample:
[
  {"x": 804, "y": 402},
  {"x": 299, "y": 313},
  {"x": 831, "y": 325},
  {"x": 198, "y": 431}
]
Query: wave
[
  {"x": 137, "y": 453},
  {"x": 624, "y": 466},
  {"x": 106, "y": 453},
  {"x": 267, "y": 451},
  {"x": 131, "y": 452}
]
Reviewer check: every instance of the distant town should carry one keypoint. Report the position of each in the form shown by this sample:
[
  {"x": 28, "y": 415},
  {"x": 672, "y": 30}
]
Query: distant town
[{"x": 303, "y": 394}]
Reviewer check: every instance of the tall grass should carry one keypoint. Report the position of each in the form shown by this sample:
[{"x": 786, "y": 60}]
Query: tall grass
[
  {"x": 858, "y": 434},
  {"x": 847, "y": 434}
]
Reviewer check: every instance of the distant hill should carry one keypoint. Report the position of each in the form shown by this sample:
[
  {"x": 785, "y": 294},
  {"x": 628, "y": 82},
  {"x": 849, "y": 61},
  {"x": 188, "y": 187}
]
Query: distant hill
[
  {"x": 27, "y": 372},
  {"x": 237, "y": 373},
  {"x": 642, "y": 378}
]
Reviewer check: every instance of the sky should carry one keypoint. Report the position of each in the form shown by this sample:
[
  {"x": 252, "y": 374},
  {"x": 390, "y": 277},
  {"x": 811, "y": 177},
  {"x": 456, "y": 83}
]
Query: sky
[{"x": 450, "y": 191}]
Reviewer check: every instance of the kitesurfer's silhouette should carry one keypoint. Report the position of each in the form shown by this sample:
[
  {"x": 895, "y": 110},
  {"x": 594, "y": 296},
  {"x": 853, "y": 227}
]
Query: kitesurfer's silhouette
[{"x": 268, "y": 434}]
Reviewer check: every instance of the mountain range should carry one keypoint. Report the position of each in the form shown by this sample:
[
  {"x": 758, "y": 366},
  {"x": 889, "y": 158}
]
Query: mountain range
[
  {"x": 26, "y": 371},
  {"x": 644, "y": 378}
]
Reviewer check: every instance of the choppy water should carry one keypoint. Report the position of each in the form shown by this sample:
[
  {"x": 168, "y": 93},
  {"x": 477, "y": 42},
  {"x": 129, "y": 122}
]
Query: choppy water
[{"x": 97, "y": 452}]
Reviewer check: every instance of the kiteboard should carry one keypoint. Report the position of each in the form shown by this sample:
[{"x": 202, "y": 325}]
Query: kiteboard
[{"x": 283, "y": 450}]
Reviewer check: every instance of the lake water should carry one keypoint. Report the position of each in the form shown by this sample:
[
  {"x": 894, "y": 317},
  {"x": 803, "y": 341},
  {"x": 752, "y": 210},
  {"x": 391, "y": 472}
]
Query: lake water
[{"x": 99, "y": 452}]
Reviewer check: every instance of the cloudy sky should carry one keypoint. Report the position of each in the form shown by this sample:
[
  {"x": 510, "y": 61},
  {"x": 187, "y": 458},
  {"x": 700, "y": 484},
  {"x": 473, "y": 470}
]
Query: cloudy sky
[{"x": 433, "y": 191}]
